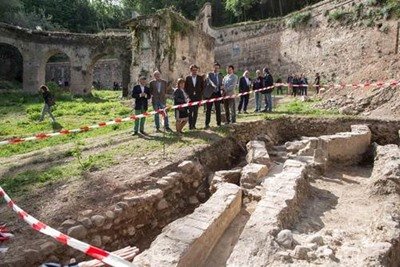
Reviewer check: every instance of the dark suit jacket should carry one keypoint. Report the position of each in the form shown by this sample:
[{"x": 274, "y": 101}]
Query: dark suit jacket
[
  {"x": 141, "y": 102},
  {"x": 195, "y": 93},
  {"x": 212, "y": 80},
  {"x": 156, "y": 96},
  {"x": 243, "y": 86},
  {"x": 179, "y": 97}
]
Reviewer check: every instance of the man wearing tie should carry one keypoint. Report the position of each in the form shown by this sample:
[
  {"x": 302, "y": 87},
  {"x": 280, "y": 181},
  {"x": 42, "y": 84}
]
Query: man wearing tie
[
  {"x": 158, "y": 91},
  {"x": 194, "y": 87},
  {"x": 213, "y": 90}
]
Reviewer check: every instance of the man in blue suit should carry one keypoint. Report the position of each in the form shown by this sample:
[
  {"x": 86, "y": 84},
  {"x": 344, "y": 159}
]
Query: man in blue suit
[{"x": 141, "y": 94}]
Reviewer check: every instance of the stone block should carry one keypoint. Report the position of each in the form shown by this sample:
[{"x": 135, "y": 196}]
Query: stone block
[
  {"x": 257, "y": 153},
  {"x": 252, "y": 175},
  {"x": 189, "y": 240}
]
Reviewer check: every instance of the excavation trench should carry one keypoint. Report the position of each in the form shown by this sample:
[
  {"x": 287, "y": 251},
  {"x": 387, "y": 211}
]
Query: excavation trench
[{"x": 185, "y": 215}]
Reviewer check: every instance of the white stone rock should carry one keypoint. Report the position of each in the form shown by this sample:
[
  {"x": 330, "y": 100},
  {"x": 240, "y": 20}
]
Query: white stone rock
[
  {"x": 316, "y": 238},
  {"x": 96, "y": 241},
  {"x": 186, "y": 166},
  {"x": 252, "y": 175},
  {"x": 78, "y": 232},
  {"x": 285, "y": 239},
  {"x": 325, "y": 252},
  {"x": 257, "y": 153},
  {"x": 131, "y": 231},
  {"x": 98, "y": 220},
  {"x": 162, "y": 204},
  {"x": 300, "y": 252},
  {"x": 193, "y": 200}
]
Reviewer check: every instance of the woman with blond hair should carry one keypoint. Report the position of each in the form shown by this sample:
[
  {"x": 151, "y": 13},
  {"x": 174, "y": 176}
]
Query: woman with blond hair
[{"x": 181, "y": 97}]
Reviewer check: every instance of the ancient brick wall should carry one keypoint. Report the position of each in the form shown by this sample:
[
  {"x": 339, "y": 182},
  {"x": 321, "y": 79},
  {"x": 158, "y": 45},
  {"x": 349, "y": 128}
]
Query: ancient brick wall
[
  {"x": 168, "y": 42},
  {"x": 340, "y": 50},
  {"x": 105, "y": 72}
]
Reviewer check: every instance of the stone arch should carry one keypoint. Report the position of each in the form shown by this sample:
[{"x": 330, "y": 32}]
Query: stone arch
[
  {"x": 105, "y": 69},
  {"x": 57, "y": 67},
  {"x": 46, "y": 55},
  {"x": 123, "y": 57},
  {"x": 11, "y": 62}
]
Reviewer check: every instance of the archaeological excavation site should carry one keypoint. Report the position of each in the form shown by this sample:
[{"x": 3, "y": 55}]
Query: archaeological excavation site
[
  {"x": 315, "y": 181},
  {"x": 287, "y": 192}
]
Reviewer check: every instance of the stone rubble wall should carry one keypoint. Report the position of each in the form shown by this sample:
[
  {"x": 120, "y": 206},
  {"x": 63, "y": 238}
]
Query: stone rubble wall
[
  {"x": 386, "y": 172},
  {"x": 278, "y": 209},
  {"x": 345, "y": 147},
  {"x": 339, "y": 52},
  {"x": 189, "y": 240}
]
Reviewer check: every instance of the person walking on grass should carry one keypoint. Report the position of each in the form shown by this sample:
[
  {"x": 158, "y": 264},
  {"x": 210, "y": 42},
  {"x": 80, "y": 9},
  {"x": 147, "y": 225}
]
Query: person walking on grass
[
  {"x": 49, "y": 102},
  {"x": 244, "y": 87},
  {"x": 141, "y": 94},
  {"x": 230, "y": 82},
  {"x": 181, "y": 114},
  {"x": 158, "y": 91}
]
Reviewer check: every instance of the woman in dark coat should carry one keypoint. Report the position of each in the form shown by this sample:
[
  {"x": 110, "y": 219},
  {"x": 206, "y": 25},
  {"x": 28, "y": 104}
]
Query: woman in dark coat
[{"x": 180, "y": 97}]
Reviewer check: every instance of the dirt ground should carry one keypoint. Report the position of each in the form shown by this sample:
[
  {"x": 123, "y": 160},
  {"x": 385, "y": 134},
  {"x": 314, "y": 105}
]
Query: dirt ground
[{"x": 342, "y": 213}]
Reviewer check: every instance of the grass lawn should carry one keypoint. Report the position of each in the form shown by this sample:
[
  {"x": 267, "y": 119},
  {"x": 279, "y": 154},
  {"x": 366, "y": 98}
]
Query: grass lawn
[{"x": 19, "y": 114}]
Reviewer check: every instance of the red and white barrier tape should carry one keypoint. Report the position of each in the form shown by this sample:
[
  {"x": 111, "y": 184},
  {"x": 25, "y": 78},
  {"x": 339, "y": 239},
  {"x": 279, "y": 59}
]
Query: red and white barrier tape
[
  {"x": 41, "y": 136},
  {"x": 94, "y": 252}
]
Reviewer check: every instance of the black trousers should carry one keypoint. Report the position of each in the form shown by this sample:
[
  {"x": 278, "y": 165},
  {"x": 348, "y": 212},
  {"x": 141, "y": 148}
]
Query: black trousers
[
  {"x": 244, "y": 101},
  {"x": 217, "y": 109},
  {"x": 193, "y": 112}
]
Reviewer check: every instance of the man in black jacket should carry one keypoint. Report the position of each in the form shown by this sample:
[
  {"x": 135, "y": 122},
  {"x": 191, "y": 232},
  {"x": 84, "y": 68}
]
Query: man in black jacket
[
  {"x": 213, "y": 90},
  {"x": 141, "y": 94},
  {"x": 244, "y": 86},
  {"x": 268, "y": 82},
  {"x": 194, "y": 87}
]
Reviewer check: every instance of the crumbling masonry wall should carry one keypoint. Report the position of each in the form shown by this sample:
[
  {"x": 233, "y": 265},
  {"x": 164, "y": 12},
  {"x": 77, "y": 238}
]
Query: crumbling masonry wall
[
  {"x": 168, "y": 42},
  {"x": 340, "y": 51},
  {"x": 83, "y": 51}
]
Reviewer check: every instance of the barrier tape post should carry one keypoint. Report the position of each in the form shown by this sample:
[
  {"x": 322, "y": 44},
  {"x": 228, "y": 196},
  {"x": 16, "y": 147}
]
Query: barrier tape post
[
  {"x": 92, "y": 251},
  {"x": 43, "y": 136}
]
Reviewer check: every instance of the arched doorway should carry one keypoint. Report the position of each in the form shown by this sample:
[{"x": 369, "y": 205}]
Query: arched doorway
[
  {"x": 58, "y": 69},
  {"x": 107, "y": 72},
  {"x": 11, "y": 67}
]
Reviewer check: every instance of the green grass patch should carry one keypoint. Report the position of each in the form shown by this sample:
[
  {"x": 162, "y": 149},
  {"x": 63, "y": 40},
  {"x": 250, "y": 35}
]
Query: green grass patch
[
  {"x": 337, "y": 15},
  {"x": 299, "y": 107},
  {"x": 298, "y": 19},
  {"x": 20, "y": 112}
]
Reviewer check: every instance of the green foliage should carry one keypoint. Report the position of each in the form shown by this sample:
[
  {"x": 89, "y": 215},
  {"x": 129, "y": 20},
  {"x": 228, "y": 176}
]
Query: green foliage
[
  {"x": 19, "y": 114},
  {"x": 299, "y": 107},
  {"x": 298, "y": 19},
  {"x": 337, "y": 15}
]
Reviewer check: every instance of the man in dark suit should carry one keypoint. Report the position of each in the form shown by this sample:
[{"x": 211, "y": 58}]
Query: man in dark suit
[
  {"x": 158, "y": 91},
  {"x": 141, "y": 94},
  {"x": 244, "y": 86},
  {"x": 213, "y": 90},
  {"x": 194, "y": 87}
]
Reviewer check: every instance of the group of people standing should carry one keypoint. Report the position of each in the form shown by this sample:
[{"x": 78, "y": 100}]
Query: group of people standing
[
  {"x": 298, "y": 84},
  {"x": 196, "y": 87}
]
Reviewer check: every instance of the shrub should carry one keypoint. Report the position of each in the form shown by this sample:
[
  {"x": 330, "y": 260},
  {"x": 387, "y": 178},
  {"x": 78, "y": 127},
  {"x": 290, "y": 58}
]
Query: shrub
[
  {"x": 298, "y": 19},
  {"x": 337, "y": 15}
]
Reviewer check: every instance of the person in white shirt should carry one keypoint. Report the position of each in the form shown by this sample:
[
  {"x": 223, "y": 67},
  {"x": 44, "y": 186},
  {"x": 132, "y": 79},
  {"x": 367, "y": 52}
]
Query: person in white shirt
[{"x": 230, "y": 82}]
